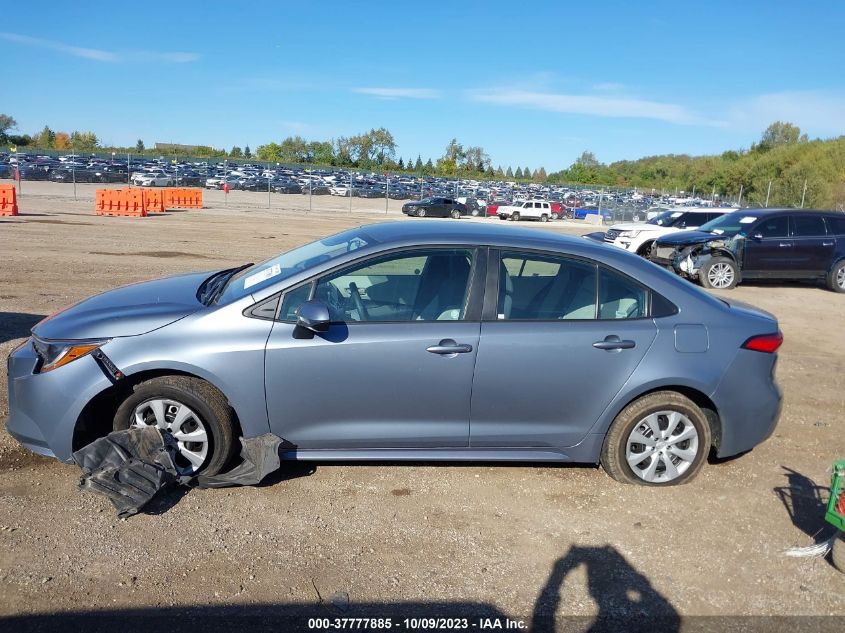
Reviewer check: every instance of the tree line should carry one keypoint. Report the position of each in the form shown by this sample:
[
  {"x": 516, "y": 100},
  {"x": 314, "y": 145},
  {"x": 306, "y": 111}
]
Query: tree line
[{"x": 779, "y": 169}]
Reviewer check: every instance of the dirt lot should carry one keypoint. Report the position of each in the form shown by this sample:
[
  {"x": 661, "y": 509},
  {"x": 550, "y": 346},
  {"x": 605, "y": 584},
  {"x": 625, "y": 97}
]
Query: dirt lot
[{"x": 519, "y": 541}]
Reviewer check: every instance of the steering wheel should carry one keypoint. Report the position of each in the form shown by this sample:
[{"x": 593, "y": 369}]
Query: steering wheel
[{"x": 359, "y": 303}]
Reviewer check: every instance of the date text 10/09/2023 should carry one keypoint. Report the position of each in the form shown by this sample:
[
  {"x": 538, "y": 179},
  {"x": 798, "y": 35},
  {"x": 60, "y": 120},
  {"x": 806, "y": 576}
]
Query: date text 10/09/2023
[{"x": 416, "y": 624}]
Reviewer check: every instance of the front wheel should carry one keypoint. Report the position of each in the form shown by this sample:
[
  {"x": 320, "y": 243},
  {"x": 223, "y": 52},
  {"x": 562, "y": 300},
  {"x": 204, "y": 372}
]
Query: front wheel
[
  {"x": 475, "y": 213},
  {"x": 555, "y": 216},
  {"x": 662, "y": 439},
  {"x": 421, "y": 212},
  {"x": 195, "y": 413},
  {"x": 836, "y": 279},
  {"x": 719, "y": 273}
]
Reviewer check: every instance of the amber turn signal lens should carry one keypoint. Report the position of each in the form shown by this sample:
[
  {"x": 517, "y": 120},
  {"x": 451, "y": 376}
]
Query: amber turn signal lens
[{"x": 71, "y": 354}]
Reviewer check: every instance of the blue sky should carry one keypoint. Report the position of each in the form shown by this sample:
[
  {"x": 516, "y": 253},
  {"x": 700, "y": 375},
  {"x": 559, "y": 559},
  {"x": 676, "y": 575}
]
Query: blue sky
[{"x": 533, "y": 83}]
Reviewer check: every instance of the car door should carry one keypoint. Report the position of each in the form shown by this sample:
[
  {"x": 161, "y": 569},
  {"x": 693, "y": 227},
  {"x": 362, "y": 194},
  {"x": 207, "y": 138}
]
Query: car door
[
  {"x": 769, "y": 248},
  {"x": 394, "y": 369},
  {"x": 558, "y": 342},
  {"x": 813, "y": 247}
]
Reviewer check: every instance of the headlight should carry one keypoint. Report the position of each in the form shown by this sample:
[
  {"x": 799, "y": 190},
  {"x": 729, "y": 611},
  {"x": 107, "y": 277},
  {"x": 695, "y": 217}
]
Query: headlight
[
  {"x": 629, "y": 234},
  {"x": 54, "y": 354}
]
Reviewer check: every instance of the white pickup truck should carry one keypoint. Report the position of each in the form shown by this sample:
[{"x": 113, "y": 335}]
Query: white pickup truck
[{"x": 528, "y": 210}]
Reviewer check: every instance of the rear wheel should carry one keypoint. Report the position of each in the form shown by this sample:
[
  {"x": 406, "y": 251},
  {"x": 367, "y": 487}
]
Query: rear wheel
[
  {"x": 515, "y": 216},
  {"x": 195, "y": 413},
  {"x": 456, "y": 214},
  {"x": 836, "y": 278},
  {"x": 555, "y": 216},
  {"x": 719, "y": 273},
  {"x": 475, "y": 213},
  {"x": 544, "y": 218},
  {"x": 662, "y": 439}
]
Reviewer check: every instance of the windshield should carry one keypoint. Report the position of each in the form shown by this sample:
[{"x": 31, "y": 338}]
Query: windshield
[
  {"x": 667, "y": 218},
  {"x": 281, "y": 267},
  {"x": 729, "y": 224}
]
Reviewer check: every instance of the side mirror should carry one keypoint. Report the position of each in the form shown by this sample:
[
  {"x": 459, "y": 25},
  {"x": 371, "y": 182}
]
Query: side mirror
[{"x": 314, "y": 316}]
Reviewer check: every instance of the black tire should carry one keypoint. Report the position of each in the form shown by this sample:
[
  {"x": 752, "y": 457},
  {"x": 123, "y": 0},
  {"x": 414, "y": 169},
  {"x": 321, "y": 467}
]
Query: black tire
[
  {"x": 421, "y": 212},
  {"x": 837, "y": 552},
  {"x": 645, "y": 249},
  {"x": 456, "y": 214},
  {"x": 836, "y": 278},
  {"x": 515, "y": 216},
  {"x": 544, "y": 218},
  {"x": 205, "y": 400},
  {"x": 705, "y": 277},
  {"x": 613, "y": 450}
]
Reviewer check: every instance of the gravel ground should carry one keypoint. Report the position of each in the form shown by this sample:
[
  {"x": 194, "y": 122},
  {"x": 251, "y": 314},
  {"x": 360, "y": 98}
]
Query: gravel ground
[{"x": 517, "y": 541}]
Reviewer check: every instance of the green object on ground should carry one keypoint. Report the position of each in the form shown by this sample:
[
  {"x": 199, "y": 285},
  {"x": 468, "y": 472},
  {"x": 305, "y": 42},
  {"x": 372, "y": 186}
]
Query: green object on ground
[{"x": 836, "y": 504}]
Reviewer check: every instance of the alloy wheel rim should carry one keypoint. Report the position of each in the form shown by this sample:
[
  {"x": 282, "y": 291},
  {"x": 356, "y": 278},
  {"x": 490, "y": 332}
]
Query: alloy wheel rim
[
  {"x": 662, "y": 446},
  {"x": 720, "y": 275},
  {"x": 840, "y": 277},
  {"x": 186, "y": 427}
]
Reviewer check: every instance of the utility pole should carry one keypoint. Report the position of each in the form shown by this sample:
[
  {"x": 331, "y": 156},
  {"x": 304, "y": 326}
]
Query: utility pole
[
  {"x": 73, "y": 171},
  {"x": 269, "y": 179},
  {"x": 804, "y": 193},
  {"x": 350, "y": 191},
  {"x": 739, "y": 200},
  {"x": 387, "y": 192},
  {"x": 768, "y": 193}
]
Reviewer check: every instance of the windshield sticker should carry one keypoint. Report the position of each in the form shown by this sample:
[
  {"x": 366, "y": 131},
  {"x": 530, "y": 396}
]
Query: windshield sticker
[
  {"x": 747, "y": 220},
  {"x": 267, "y": 273}
]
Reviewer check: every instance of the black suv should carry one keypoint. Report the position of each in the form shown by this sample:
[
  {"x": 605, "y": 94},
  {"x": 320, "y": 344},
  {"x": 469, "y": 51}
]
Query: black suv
[
  {"x": 759, "y": 244},
  {"x": 435, "y": 208}
]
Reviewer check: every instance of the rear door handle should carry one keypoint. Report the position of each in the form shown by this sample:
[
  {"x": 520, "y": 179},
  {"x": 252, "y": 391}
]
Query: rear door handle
[
  {"x": 785, "y": 244},
  {"x": 613, "y": 342},
  {"x": 827, "y": 243},
  {"x": 449, "y": 346}
]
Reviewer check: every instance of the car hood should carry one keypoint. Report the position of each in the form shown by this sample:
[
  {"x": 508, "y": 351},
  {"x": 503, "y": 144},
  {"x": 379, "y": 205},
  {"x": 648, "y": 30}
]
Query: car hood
[
  {"x": 127, "y": 311},
  {"x": 686, "y": 238},
  {"x": 639, "y": 226}
]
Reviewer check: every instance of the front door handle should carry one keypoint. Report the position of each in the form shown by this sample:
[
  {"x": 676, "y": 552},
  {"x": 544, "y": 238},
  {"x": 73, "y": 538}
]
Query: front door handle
[
  {"x": 785, "y": 244},
  {"x": 449, "y": 346},
  {"x": 827, "y": 243},
  {"x": 613, "y": 342}
]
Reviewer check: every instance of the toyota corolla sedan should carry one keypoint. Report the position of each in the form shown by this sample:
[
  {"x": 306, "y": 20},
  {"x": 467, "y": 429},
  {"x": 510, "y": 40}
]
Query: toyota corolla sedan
[{"x": 412, "y": 341}]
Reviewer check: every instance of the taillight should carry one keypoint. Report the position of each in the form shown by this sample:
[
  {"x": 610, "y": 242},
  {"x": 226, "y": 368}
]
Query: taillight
[{"x": 767, "y": 343}]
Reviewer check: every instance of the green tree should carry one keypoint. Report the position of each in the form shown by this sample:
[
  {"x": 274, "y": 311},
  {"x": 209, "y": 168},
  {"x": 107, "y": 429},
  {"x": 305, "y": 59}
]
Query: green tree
[
  {"x": 509, "y": 172},
  {"x": 321, "y": 152},
  {"x": 46, "y": 138},
  {"x": 781, "y": 133},
  {"x": 429, "y": 167},
  {"x": 401, "y": 164},
  {"x": 526, "y": 173},
  {"x": 518, "y": 173},
  {"x": 247, "y": 152},
  {"x": 236, "y": 152},
  {"x": 540, "y": 174},
  {"x": 7, "y": 123},
  {"x": 419, "y": 164},
  {"x": 84, "y": 141},
  {"x": 139, "y": 146}
]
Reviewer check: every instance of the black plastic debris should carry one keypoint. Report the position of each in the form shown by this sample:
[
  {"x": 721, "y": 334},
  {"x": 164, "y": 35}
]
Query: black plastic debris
[
  {"x": 130, "y": 467},
  {"x": 260, "y": 458}
]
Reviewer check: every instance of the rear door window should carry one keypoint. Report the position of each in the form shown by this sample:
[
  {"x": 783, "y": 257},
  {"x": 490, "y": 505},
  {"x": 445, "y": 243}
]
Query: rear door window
[
  {"x": 836, "y": 226},
  {"x": 807, "y": 225}
]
